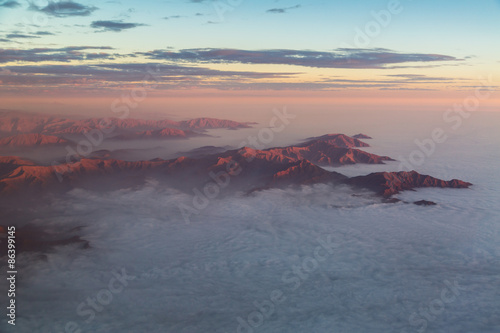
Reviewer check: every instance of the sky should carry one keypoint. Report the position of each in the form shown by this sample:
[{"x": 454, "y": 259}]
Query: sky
[{"x": 387, "y": 54}]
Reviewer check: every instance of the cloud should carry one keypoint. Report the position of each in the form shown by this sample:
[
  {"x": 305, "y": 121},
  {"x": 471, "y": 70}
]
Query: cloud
[
  {"x": 407, "y": 89},
  {"x": 340, "y": 58},
  {"x": 424, "y": 78},
  {"x": 16, "y": 35},
  {"x": 397, "y": 80},
  {"x": 180, "y": 75},
  {"x": 110, "y": 76},
  {"x": 135, "y": 71},
  {"x": 238, "y": 250},
  {"x": 64, "y": 9},
  {"x": 10, "y": 4},
  {"x": 107, "y": 77},
  {"x": 281, "y": 10},
  {"x": 183, "y": 70},
  {"x": 168, "y": 77},
  {"x": 172, "y": 17},
  {"x": 44, "y": 33},
  {"x": 115, "y": 26},
  {"x": 64, "y": 54}
]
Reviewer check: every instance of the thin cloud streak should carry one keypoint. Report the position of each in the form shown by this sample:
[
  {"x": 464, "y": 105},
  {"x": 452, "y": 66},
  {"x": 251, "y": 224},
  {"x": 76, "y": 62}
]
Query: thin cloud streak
[
  {"x": 115, "y": 26},
  {"x": 340, "y": 58},
  {"x": 64, "y": 54},
  {"x": 281, "y": 10}
]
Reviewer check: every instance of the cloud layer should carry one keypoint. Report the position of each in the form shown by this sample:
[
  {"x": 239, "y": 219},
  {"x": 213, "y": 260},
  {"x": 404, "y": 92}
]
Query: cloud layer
[
  {"x": 115, "y": 26},
  {"x": 64, "y": 54},
  {"x": 64, "y": 9},
  {"x": 181, "y": 68},
  {"x": 385, "y": 261},
  {"x": 341, "y": 58}
]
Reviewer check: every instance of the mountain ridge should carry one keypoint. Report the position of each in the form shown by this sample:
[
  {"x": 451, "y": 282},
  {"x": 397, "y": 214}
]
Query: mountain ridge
[{"x": 32, "y": 140}]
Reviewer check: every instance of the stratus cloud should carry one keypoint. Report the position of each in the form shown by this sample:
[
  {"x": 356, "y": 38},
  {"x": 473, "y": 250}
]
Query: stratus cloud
[
  {"x": 64, "y": 9},
  {"x": 16, "y": 35},
  {"x": 389, "y": 257},
  {"x": 116, "y": 26},
  {"x": 64, "y": 54},
  {"x": 340, "y": 58},
  {"x": 166, "y": 76},
  {"x": 178, "y": 76},
  {"x": 44, "y": 33},
  {"x": 424, "y": 78}
]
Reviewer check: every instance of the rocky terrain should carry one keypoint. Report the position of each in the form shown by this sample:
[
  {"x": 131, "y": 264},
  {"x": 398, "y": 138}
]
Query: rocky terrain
[
  {"x": 41, "y": 128},
  {"x": 32, "y": 140},
  {"x": 248, "y": 169}
]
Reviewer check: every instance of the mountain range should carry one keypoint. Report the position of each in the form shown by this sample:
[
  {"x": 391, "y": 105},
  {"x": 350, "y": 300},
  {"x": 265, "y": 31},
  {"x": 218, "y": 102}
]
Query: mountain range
[
  {"x": 32, "y": 130},
  {"x": 257, "y": 169}
]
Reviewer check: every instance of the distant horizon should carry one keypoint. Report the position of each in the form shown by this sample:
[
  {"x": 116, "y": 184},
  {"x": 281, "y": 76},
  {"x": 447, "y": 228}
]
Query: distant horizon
[{"x": 385, "y": 54}]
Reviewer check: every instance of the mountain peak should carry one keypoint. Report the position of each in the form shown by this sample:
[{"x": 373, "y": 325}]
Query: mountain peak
[
  {"x": 32, "y": 140},
  {"x": 390, "y": 183},
  {"x": 339, "y": 140}
]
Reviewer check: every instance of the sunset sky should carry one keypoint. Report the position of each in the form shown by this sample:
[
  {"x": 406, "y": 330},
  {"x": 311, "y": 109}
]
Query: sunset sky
[{"x": 376, "y": 54}]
